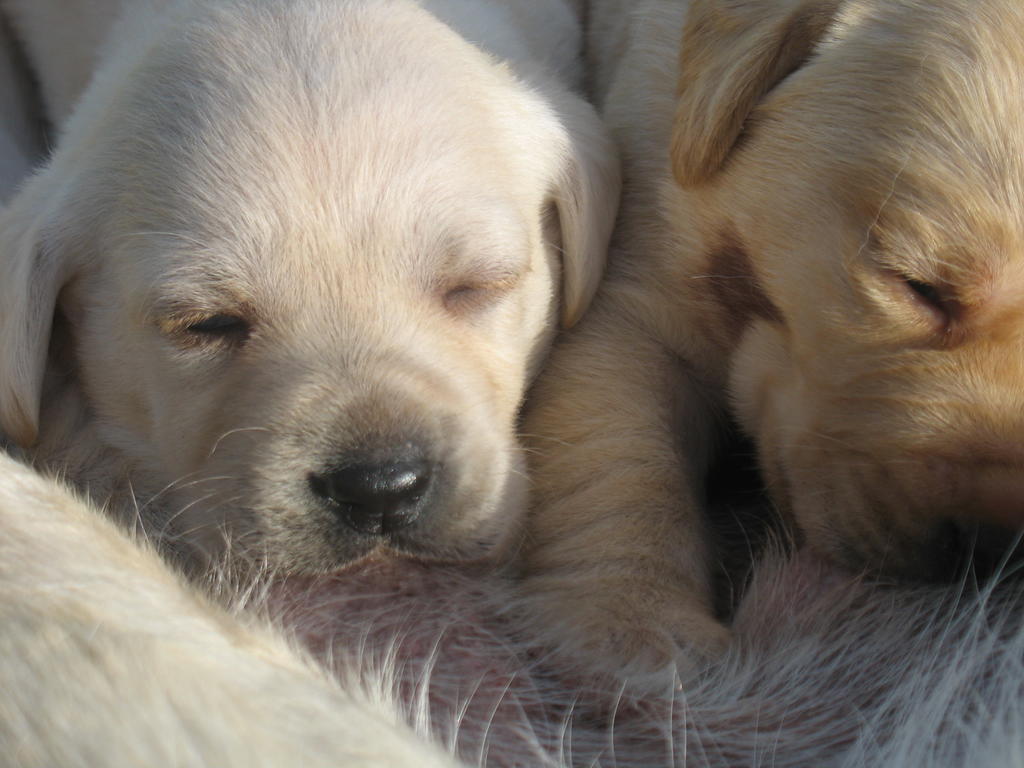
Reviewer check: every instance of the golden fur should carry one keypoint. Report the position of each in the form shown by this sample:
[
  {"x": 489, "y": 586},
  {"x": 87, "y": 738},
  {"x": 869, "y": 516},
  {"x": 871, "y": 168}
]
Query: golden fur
[{"x": 821, "y": 234}]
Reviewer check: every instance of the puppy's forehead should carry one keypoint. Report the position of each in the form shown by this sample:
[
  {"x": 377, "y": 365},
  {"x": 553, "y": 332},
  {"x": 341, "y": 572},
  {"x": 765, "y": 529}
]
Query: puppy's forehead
[
  {"x": 377, "y": 145},
  {"x": 916, "y": 116},
  {"x": 434, "y": 244}
]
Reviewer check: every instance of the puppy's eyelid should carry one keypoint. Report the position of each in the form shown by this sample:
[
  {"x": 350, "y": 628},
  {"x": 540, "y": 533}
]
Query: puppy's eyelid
[
  {"x": 924, "y": 290},
  {"x": 204, "y": 329},
  {"x": 932, "y": 300},
  {"x": 220, "y": 324},
  {"x": 470, "y": 295}
]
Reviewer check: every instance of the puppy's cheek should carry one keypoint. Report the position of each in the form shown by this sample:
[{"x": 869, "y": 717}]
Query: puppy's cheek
[
  {"x": 479, "y": 512},
  {"x": 499, "y": 526},
  {"x": 774, "y": 405},
  {"x": 806, "y": 472},
  {"x": 763, "y": 384}
]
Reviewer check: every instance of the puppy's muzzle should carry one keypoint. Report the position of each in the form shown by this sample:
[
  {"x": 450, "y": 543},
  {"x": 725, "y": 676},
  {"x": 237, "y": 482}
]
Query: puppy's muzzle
[
  {"x": 983, "y": 525},
  {"x": 972, "y": 521},
  {"x": 377, "y": 497}
]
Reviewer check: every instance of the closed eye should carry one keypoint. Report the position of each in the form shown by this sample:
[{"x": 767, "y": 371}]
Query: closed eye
[
  {"x": 925, "y": 292},
  {"x": 219, "y": 330},
  {"x": 474, "y": 296},
  {"x": 934, "y": 302},
  {"x": 219, "y": 325}
]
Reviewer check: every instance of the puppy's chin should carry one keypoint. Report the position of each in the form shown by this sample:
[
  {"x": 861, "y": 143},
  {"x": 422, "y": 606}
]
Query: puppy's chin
[
  {"x": 244, "y": 558},
  {"x": 382, "y": 575}
]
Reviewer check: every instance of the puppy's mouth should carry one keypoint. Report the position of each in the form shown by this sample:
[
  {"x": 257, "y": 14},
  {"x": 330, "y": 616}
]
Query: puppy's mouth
[{"x": 382, "y": 571}]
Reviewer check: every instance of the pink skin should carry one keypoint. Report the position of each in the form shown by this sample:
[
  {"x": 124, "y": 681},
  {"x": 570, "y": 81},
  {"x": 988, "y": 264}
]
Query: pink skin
[{"x": 450, "y": 640}]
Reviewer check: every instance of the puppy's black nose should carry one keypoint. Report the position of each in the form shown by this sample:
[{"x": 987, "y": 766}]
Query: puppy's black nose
[{"x": 376, "y": 498}]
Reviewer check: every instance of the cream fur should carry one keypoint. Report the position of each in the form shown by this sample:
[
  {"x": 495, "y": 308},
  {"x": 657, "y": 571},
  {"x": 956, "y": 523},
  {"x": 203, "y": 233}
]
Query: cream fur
[
  {"x": 108, "y": 658},
  {"x": 791, "y": 199},
  {"x": 394, "y": 218}
]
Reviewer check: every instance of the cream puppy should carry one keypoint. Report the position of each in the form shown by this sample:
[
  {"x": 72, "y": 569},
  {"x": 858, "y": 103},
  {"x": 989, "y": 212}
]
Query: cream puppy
[
  {"x": 294, "y": 262},
  {"x": 820, "y": 235}
]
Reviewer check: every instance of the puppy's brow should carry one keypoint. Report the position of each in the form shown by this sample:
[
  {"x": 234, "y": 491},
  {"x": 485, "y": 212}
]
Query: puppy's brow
[
  {"x": 494, "y": 230},
  {"x": 487, "y": 271},
  {"x": 186, "y": 307},
  {"x": 499, "y": 256}
]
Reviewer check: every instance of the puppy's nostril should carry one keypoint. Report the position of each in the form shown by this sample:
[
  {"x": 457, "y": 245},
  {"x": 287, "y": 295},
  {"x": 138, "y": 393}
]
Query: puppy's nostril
[{"x": 378, "y": 498}]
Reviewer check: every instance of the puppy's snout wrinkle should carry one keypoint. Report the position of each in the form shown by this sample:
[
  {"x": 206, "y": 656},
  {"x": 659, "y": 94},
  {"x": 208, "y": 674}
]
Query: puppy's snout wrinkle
[{"x": 376, "y": 498}]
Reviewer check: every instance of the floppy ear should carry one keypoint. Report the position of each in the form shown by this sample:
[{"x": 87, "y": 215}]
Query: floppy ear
[
  {"x": 586, "y": 198},
  {"x": 733, "y": 53},
  {"x": 31, "y": 275}
]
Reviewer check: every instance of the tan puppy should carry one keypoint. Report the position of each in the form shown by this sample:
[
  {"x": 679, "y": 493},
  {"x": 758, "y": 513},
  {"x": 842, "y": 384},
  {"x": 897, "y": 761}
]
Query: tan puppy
[
  {"x": 304, "y": 258},
  {"x": 833, "y": 248}
]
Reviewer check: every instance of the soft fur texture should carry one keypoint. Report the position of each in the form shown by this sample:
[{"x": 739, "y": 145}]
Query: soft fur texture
[
  {"x": 820, "y": 237},
  {"x": 282, "y": 243},
  {"x": 110, "y": 659}
]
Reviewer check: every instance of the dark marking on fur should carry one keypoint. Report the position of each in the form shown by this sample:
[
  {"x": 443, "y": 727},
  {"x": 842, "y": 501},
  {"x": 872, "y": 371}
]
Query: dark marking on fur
[{"x": 736, "y": 287}]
